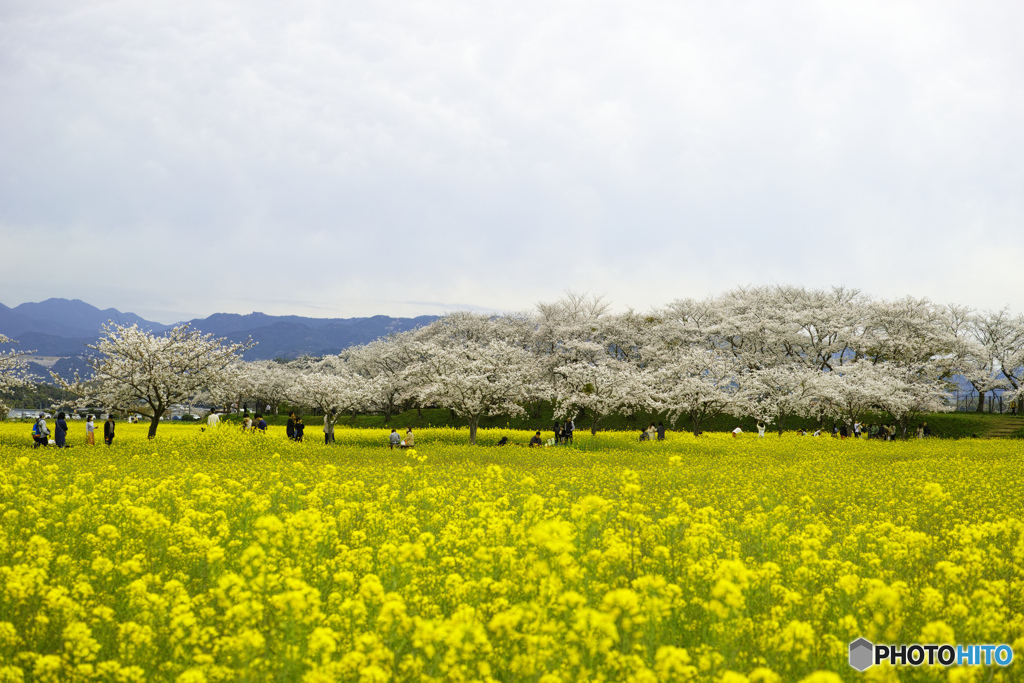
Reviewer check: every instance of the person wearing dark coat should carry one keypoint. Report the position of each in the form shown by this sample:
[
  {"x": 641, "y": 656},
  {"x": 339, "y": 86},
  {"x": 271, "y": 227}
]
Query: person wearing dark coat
[
  {"x": 60, "y": 431},
  {"x": 108, "y": 430},
  {"x": 290, "y": 429}
]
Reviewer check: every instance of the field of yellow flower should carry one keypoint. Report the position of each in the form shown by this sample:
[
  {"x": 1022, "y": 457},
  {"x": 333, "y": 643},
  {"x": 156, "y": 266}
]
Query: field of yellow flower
[{"x": 222, "y": 556}]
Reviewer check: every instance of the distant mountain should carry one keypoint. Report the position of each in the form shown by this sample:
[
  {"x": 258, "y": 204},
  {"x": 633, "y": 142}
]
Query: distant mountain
[
  {"x": 71, "y": 318},
  {"x": 62, "y": 327}
]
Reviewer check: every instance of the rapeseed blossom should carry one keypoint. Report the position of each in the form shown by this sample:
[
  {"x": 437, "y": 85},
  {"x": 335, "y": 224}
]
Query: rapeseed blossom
[{"x": 226, "y": 556}]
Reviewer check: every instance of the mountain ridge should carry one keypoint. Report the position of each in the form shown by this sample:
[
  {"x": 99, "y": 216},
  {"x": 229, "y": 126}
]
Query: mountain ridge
[{"x": 62, "y": 328}]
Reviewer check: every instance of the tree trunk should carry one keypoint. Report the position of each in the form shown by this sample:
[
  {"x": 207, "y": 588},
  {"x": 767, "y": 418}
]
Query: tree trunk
[
  {"x": 593, "y": 422},
  {"x": 154, "y": 422},
  {"x": 981, "y": 402},
  {"x": 473, "y": 422}
]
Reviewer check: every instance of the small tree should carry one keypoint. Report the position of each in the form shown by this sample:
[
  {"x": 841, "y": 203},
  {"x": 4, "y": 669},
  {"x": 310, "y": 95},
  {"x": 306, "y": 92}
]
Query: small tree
[{"x": 146, "y": 373}]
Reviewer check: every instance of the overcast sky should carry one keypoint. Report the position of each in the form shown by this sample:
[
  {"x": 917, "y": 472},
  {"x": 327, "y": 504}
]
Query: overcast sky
[{"x": 177, "y": 159}]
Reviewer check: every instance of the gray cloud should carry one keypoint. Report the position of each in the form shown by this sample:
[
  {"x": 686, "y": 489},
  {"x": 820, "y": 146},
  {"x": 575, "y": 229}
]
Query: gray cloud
[{"x": 351, "y": 159}]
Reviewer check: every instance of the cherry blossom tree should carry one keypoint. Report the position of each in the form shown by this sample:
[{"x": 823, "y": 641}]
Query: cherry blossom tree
[
  {"x": 385, "y": 363},
  {"x": 270, "y": 382},
  {"x": 849, "y": 392},
  {"x": 135, "y": 370},
  {"x": 911, "y": 394},
  {"x": 13, "y": 371},
  {"x": 995, "y": 353},
  {"x": 474, "y": 378},
  {"x": 601, "y": 387},
  {"x": 697, "y": 383},
  {"x": 336, "y": 389},
  {"x": 775, "y": 394}
]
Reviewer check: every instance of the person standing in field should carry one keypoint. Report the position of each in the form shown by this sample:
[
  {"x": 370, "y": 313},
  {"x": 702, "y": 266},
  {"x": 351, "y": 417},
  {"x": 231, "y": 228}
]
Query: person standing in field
[
  {"x": 60, "y": 431},
  {"x": 213, "y": 419},
  {"x": 108, "y": 430},
  {"x": 570, "y": 427},
  {"x": 40, "y": 432},
  {"x": 661, "y": 431},
  {"x": 290, "y": 428},
  {"x": 90, "y": 430},
  {"x": 329, "y": 419},
  {"x": 300, "y": 429},
  {"x": 652, "y": 432},
  {"x": 760, "y": 429}
]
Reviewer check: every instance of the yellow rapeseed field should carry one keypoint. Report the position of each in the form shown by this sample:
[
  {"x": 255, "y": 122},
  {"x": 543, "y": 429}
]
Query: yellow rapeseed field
[{"x": 223, "y": 556}]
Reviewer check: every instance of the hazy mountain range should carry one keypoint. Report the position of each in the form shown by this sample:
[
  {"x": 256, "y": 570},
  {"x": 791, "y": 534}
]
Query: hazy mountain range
[{"x": 60, "y": 328}]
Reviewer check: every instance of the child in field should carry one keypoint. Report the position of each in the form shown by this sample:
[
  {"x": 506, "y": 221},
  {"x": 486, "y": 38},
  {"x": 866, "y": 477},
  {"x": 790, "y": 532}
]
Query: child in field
[
  {"x": 299, "y": 428},
  {"x": 90, "y": 431}
]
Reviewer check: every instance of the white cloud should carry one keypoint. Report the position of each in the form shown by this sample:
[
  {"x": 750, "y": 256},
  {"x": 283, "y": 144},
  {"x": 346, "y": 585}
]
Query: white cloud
[{"x": 353, "y": 159}]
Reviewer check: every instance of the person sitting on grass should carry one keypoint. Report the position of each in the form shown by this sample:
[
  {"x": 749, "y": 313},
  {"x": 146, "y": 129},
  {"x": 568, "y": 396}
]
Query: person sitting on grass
[
  {"x": 643, "y": 435},
  {"x": 409, "y": 441},
  {"x": 394, "y": 440},
  {"x": 535, "y": 441},
  {"x": 559, "y": 434}
]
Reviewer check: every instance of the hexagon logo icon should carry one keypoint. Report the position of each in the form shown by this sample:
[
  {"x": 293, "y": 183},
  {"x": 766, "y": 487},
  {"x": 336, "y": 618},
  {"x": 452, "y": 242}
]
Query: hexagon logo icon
[{"x": 861, "y": 654}]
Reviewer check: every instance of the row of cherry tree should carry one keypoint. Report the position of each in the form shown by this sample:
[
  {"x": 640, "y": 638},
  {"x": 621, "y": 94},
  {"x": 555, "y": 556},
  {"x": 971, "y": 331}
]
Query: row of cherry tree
[{"x": 768, "y": 352}]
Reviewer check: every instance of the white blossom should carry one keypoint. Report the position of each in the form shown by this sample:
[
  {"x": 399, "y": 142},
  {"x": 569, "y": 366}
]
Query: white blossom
[{"x": 137, "y": 371}]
